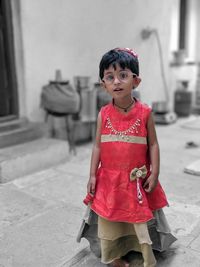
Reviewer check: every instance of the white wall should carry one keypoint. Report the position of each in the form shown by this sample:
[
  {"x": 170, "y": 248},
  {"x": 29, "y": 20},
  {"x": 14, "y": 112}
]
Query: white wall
[
  {"x": 73, "y": 35},
  {"x": 186, "y": 71},
  {"x": 175, "y": 17},
  {"x": 194, "y": 30}
]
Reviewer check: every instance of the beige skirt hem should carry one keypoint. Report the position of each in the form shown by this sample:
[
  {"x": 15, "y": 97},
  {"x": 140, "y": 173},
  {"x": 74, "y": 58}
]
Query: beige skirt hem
[{"x": 115, "y": 249}]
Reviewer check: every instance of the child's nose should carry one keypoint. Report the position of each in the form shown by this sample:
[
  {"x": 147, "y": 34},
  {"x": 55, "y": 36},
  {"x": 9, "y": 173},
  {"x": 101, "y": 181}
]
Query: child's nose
[{"x": 116, "y": 80}]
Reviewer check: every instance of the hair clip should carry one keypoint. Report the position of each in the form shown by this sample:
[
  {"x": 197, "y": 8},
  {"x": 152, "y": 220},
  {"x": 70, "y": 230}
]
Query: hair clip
[{"x": 128, "y": 50}]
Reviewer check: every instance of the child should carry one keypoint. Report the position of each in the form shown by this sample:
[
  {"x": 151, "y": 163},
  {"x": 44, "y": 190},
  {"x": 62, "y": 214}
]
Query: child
[{"x": 123, "y": 188}]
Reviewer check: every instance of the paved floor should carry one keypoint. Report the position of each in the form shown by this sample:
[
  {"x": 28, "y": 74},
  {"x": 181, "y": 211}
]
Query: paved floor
[
  {"x": 41, "y": 213},
  {"x": 182, "y": 191}
]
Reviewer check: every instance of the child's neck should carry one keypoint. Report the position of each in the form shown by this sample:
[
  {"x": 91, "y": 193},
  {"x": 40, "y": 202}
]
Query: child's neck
[
  {"x": 125, "y": 101},
  {"x": 124, "y": 106}
]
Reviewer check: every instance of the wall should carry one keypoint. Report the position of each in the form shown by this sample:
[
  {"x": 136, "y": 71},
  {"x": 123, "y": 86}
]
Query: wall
[
  {"x": 19, "y": 57},
  {"x": 194, "y": 36},
  {"x": 189, "y": 69},
  {"x": 73, "y": 35}
]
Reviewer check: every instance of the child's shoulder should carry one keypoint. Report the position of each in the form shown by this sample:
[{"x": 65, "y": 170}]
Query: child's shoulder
[
  {"x": 106, "y": 108},
  {"x": 144, "y": 106},
  {"x": 144, "y": 110}
]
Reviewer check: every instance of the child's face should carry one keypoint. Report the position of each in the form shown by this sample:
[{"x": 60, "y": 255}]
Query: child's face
[{"x": 119, "y": 82}]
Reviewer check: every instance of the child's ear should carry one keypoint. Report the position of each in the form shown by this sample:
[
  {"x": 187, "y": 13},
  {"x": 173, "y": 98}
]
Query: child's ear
[
  {"x": 102, "y": 84},
  {"x": 136, "y": 81}
]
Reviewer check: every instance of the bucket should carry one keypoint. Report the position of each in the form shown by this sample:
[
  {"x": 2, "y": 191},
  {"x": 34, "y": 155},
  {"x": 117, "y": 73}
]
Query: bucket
[{"x": 81, "y": 82}]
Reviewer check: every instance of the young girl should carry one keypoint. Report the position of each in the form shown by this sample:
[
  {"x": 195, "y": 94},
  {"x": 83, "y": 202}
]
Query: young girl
[{"x": 123, "y": 188}]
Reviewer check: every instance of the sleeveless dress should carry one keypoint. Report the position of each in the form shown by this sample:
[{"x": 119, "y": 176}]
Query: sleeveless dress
[
  {"x": 120, "y": 200},
  {"x": 124, "y": 166}
]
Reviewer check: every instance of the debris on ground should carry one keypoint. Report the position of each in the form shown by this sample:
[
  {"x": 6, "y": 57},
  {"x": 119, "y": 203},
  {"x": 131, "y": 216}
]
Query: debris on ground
[
  {"x": 193, "y": 168},
  {"x": 191, "y": 144}
]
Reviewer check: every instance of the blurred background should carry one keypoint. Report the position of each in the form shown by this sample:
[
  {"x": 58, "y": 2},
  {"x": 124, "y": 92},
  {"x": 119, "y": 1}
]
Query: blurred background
[
  {"x": 61, "y": 42},
  {"x": 50, "y": 96}
]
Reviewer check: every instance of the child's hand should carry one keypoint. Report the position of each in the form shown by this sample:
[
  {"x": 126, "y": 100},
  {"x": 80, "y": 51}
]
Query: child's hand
[
  {"x": 150, "y": 183},
  {"x": 91, "y": 185}
]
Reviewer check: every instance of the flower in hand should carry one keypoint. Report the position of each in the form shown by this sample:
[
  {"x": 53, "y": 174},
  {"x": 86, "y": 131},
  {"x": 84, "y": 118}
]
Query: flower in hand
[
  {"x": 88, "y": 199},
  {"x": 90, "y": 190}
]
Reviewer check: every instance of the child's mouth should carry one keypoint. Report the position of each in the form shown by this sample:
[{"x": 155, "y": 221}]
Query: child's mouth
[{"x": 117, "y": 89}]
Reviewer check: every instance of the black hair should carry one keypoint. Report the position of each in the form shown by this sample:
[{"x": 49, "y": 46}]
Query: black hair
[{"x": 120, "y": 57}]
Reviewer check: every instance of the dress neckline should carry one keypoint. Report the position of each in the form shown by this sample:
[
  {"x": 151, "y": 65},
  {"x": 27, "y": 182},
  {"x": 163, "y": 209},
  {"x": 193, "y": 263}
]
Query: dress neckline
[{"x": 125, "y": 114}]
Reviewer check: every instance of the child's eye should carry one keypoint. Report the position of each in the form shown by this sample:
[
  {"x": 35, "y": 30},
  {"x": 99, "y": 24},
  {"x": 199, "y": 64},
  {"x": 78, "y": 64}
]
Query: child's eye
[
  {"x": 123, "y": 75},
  {"x": 109, "y": 77}
]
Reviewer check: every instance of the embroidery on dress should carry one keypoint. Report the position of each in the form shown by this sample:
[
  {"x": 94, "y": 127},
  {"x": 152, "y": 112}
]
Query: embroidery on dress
[{"x": 132, "y": 129}]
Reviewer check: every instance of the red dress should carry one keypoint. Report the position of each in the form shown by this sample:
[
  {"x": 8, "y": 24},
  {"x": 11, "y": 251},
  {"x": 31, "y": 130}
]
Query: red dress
[{"x": 124, "y": 166}]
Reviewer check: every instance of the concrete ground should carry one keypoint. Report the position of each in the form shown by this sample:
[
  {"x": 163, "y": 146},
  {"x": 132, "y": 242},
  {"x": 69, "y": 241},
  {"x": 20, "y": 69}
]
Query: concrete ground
[{"x": 41, "y": 213}]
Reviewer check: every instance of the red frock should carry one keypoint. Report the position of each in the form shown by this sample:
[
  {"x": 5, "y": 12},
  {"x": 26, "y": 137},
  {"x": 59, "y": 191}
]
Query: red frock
[{"x": 119, "y": 184}]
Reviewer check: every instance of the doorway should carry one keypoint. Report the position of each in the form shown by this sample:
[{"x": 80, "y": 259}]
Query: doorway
[{"x": 8, "y": 87}]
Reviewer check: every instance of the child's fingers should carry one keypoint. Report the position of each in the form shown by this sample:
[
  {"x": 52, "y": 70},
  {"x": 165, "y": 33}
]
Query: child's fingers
[
  {"x": 148, "y": 189},
  {"x": 146, "y": 184},
  {"x": 151, "y": 186},
  {"x": 89, "y": 187},
  {"x": 93, "y": 188}
]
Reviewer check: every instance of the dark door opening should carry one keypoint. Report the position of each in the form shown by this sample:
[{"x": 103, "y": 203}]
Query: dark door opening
[
  {"x": 8, "y": 88},
  {"x": 183, "y": 24}
]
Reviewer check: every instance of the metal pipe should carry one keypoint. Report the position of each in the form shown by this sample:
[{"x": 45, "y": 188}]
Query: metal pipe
[{"x": 145, "y": 34}]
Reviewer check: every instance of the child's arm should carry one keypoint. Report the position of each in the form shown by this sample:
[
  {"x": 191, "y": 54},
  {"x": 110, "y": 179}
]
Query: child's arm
[
  {"x": 95, "y": 158},
  {"x": 154, "y": 154}
]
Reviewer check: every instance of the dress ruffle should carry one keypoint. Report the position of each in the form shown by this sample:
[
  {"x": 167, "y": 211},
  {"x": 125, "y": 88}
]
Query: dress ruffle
[{"x": 158, "y": 227}]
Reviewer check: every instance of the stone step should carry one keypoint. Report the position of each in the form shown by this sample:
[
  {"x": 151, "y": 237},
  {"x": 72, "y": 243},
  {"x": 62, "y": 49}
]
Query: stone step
[
  {"x": 12, "y": 124},
  {"x": 23, "y": 159},
  {"x": 19, "y": 131}
]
